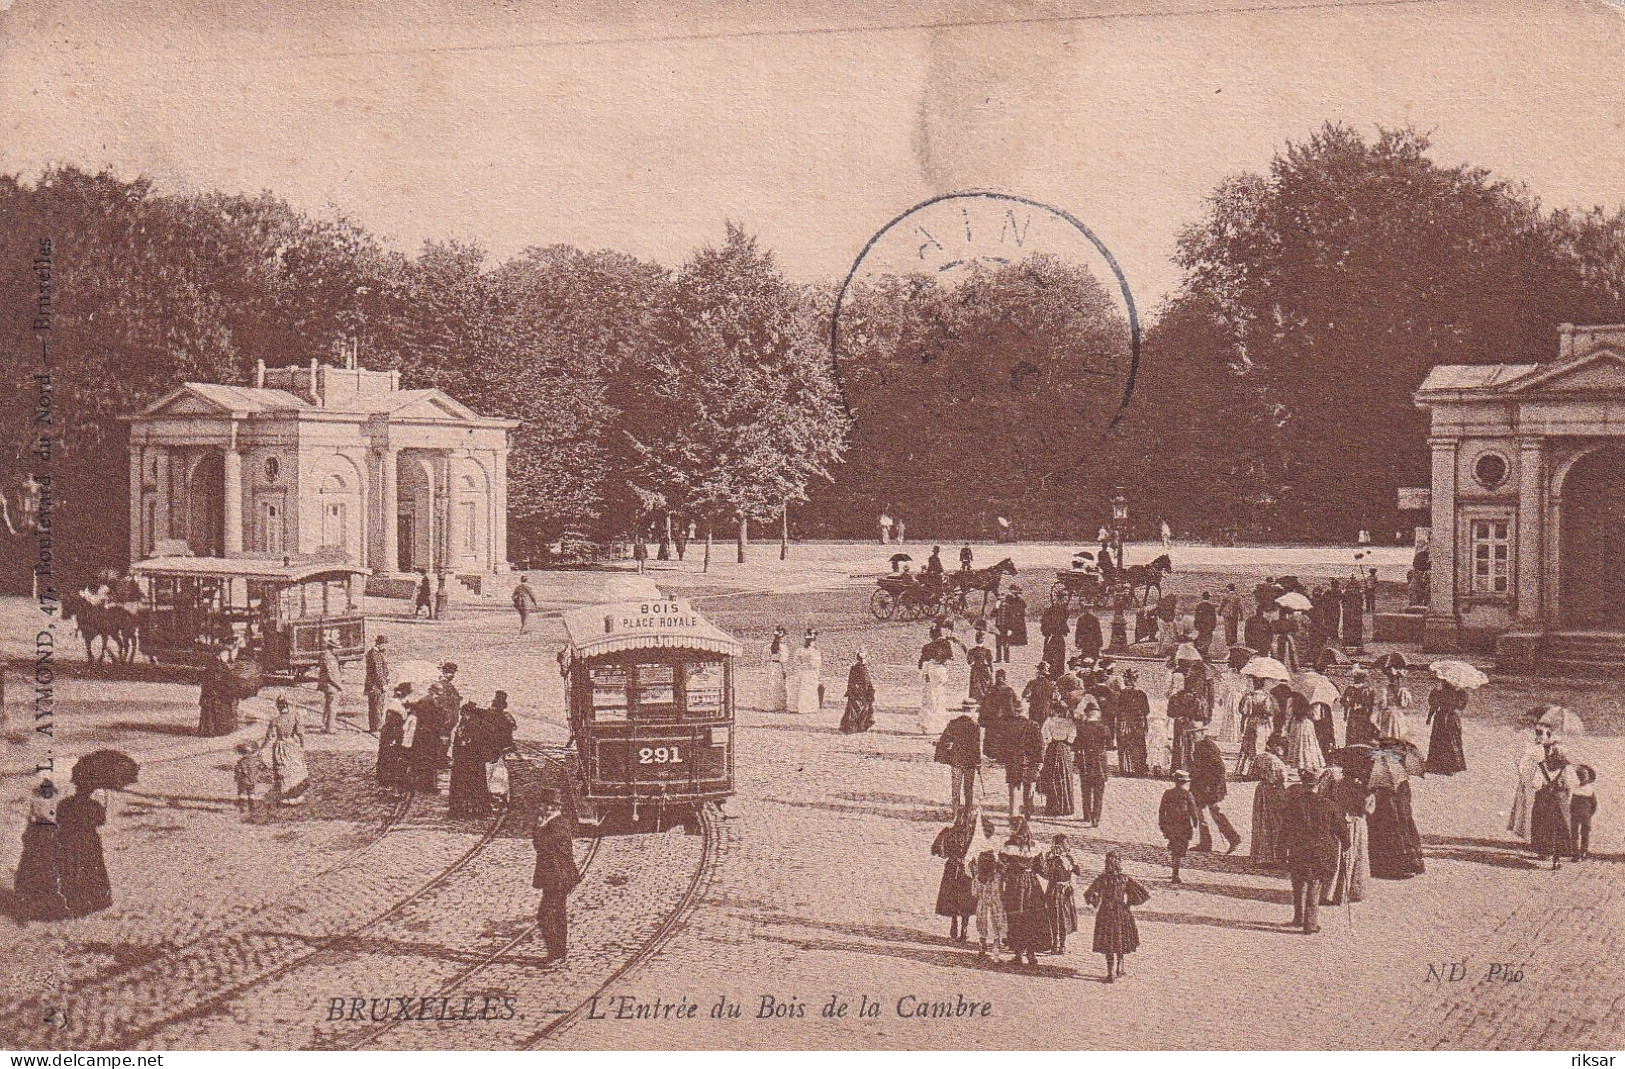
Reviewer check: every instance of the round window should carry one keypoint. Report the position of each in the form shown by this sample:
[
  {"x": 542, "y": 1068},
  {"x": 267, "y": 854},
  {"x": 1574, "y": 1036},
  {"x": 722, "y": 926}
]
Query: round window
[
  {"x": 271, "y": 468},
  {"x": 1490, "y": 470}
]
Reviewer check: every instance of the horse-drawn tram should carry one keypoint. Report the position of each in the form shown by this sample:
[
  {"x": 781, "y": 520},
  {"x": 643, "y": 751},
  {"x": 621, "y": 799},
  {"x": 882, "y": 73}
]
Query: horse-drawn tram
[
  {"x": 650, "y": 691},
  {"x": 284, "y": 613}
]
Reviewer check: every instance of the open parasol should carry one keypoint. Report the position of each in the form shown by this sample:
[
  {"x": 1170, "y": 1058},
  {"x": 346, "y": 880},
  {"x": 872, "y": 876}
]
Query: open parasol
[
  {"x": 1354, "y": 760},
  {"x": 421, "y": 674},
  {"x": 1459, "y": 674},
  {"x": 105, "y": 770},
  {"x": 1317, "y": 688},
  {"x": 1294, "y": 601},
  {"x": 1391, "y": 660},
  {"x": 899, "y": 558},
  {"x": 1266, "y": 668},
  {"x": 1560, "y": 719},
  {"x": 1404, "y": 754}
]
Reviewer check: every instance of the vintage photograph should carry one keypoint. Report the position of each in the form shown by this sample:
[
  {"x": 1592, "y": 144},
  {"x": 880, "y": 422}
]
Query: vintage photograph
[{"x": 1082, "y": 525}]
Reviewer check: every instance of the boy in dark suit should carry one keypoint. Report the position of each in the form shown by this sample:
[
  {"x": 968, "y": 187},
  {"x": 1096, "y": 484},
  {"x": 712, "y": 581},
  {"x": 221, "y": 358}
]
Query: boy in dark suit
[{"x": 1178, "y": 818}]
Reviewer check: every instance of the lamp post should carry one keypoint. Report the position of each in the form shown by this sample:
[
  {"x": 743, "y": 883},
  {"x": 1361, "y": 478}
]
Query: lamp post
[{"x": 1119, "y": 642}]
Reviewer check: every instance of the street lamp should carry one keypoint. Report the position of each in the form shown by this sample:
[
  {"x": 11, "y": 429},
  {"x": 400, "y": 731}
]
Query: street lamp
[{"x": 1119, "y": 643}]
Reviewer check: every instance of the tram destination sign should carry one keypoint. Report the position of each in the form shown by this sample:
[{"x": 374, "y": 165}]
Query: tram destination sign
[{"x": 667, "y": 615}]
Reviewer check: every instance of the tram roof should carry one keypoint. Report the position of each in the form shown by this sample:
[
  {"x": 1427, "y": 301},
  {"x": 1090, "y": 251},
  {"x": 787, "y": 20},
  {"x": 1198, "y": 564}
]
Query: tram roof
[
  {"x": 638, "y": 625},
  {"x": 245, "y": 568}
]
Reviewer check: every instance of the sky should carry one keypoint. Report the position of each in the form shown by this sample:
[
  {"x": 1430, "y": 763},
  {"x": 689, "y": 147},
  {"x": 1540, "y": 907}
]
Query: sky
[{"x": 643, "y": 127}]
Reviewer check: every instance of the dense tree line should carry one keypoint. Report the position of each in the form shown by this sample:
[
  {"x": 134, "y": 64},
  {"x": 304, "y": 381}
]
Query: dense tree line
[{"x": 1272, "y": 397}]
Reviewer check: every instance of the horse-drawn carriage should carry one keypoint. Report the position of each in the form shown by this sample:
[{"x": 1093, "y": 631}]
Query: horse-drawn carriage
[
  {"x": 914, "y": 596},
  {"x": 284, "y": 613},
  {"x": 1086, "y": 589}
]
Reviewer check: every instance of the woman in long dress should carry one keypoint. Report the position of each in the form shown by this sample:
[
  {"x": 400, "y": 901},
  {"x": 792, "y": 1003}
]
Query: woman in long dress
[
  {"x": 1114, "y": 894},
  {"x": 1550, "y": 830},
  {"x": 860, "y": 698},
  {"x": 1392, "y": 701},
  {"x": 778, "y": 672},
  {"x": 956, "y": 895},
  {"x": 1225, "y": 726},
  {"x": 934, "y": 687},
  {"x": 1395, "y": 844},
  {"x": 1257, "y": 712},
  {"x": 981, "y": 667},
  {"x": 85, "y": 886},
  {"x": 1057, "y": 868},
  {"x": 1529, "y": 781},
  {"x": 392, "y": 765},
  {"x": 467, "y": 795},
  {"x": 1302, "y": 742},
  {"x": 1025, "y": 906},
  {"x": 1354, "y": 801},
  {"x": 1446, "y": 755},
  {"x": 808, "y": 669},
  {"x": 39, "y": 878},
  {"x": 1269, "y": 803},
  {"x": 285, "y": 743},
  {"x": 1055, "y": 776}
]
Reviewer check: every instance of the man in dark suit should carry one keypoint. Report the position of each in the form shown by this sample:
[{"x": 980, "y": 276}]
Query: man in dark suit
[
  {"x": 1178, "y": 818},
  {"x": 1314, "y": 833},
  {"x": 1205, "y": 618},
  {"x": 377, "y": 684},
  {"x": 1256, "y": 633},
  {"x": 1208, "y": 787},
  {"x": 960, "y": 748},
  {"x": 556, "y": 874},
  {"x": 1093, "y": 740},
  {"x": 1088, "y": 636}
]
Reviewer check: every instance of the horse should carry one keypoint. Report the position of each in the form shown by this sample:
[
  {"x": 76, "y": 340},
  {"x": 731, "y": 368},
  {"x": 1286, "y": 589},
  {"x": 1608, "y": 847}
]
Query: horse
[
  {"x": 111, "y": 623},
  {"x": 1144, "y": 577},
  {"x": 986, "y": 580}
]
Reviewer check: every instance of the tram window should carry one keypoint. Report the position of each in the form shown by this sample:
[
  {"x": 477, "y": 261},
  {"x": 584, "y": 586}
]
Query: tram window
[
  {"x": 657, "y": 684},
  {"x": 704, "y": 684},
  {"x": 609, "y": 693}
]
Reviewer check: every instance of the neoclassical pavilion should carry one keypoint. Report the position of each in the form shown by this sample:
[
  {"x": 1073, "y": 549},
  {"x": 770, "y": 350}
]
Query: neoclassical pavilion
[
  {"x": 321, "y": 462},
  {"x": 1529, "y": 492}
]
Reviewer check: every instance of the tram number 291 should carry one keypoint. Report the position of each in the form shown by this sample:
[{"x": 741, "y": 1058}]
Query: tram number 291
[{"x": 660, "y": 755}]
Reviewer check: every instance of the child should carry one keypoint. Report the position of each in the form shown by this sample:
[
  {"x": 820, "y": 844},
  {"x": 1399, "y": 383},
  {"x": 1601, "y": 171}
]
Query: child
[
  {"x": 248, "y": 774},
  {"x": 1178, "y": 818},
  {"x": 1582, "y": 807},
  {"x": 988, "y": 888},
  {"x": 1113, "y": 894}
]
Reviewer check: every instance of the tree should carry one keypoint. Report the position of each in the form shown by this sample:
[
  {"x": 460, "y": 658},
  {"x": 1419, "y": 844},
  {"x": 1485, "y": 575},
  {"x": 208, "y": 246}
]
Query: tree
[{"x": 742, "y": 413}]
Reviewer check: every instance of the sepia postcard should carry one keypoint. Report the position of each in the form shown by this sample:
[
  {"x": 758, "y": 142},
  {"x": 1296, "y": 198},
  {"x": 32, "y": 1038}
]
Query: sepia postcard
[{"x": 708, "y": 525}]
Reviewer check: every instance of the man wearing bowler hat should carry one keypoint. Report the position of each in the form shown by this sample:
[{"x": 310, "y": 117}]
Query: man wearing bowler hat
[{"x": 556, "y": 874}]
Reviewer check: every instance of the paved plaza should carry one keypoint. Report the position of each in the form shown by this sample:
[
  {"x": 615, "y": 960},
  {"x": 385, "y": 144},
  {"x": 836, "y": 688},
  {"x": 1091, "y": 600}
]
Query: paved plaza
[{"x": 232, "y": 930}]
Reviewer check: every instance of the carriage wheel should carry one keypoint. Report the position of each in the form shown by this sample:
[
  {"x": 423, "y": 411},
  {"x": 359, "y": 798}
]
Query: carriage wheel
[
  {"x": 911, "y": 608},
  {"x": 883, "y": 603},
  {"x": 1059, "y": 594}
]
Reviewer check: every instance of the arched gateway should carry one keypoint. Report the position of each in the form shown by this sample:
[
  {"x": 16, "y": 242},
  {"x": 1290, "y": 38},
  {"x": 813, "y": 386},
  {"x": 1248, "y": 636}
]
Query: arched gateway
[{"x": 1528, "y": 495}]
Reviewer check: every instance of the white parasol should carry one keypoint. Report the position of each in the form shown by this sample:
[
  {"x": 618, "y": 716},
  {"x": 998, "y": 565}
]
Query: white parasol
[
  {"x": 418, "y": 673},
  {"x": 1459, "y": 674},
  {"x": 1267, "y": 668},
  {"x": 1317, "y": 689},
  {"x": 1294, "y": 601},
  {"x": 1563, "y": 721}
]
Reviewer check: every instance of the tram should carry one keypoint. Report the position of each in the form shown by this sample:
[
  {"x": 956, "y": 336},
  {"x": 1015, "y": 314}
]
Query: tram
[
  {"x": 283, "y": 612},
  {"x": 650, "y": 691}
]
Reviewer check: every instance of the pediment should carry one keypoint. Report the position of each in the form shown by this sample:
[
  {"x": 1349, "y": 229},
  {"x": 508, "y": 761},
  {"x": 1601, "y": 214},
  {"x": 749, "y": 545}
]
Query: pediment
[
  {"x": 1601, "y": 371},
  {"x": 433, "y": 405},
  {"x": 183, "y": 402}
]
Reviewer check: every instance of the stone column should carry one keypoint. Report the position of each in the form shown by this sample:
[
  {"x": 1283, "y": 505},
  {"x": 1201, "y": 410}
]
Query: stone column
[
  {"x": 454, "y": 534},
  {"x": 162, "y": 490},
  {"x": 1442, "y": 629},
  {"x": 388, "y": 487},
  {"x": 499, "y": 512},
  {"x": 231, "y": 524},
  {"x": 136, "y": 460},
  {"x": 1531, "y": 510}
]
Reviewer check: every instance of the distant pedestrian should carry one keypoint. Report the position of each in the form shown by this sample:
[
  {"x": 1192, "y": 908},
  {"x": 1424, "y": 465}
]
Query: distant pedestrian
[
  {"x": 83, "y": 866},
  {"x": 1208, "y": 788},
  {"x": 1178, "y": 818},
  {"x": 1359, "y": 703},
  {"x": 1582, "y": 808},
  {"x": 424, "y": 605},
  {"x": 1114, "y": 894},
  {"x": 330, "y": 681},
  {"x": 778, "y": 672},
  {"x": 1088, "y": 636},
  {"x": 524, "y": 602},
  {"x": 1352, "y": 619},
  {"x": 1302, "y": 741},
  {"x": 1370, "y": 586},
  {"x": 1167, "y": 536},
  {"x": 885, "y": 528},
  {"x": 980, "y": 659},
  {"x": 956, "y": 893},
  {"x": 285, "y": 742},
  {"x": 902, "y": 531},
  {"x": 965, "y": 558},
  {"x": 860, "y": 698},
  {"x": 246, "y": 772},
  {"x": 1055, "y": 627},
  {"x": 1392, "y": 701},
  {"x": 1231, "y": 612},
  {"x": 960, "y": 748},
  {"x": 1132, "y": 717},
  {"x": 1094, "y": 739},
  {"x": 1023, "y": 761},
  {"x": 1314, "y": 832},
  {"x": 807, "y": 687},
  {"x": 38, "y": 883},
  {"x": 1446, "y": 756},
  {"x": 1012, "y": 622},
  {"x": 555, "y": 875},
  {"x": 1257, "y": 633},
  {"x": 640, "y": 553},
  {"x": 1205, "y": 619},
  {"x": 376, "y": 686}
]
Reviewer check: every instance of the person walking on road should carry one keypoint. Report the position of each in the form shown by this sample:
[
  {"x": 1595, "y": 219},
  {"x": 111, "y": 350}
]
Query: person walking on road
[
  {"x": 1208, "y": 788},
  {"x": 524, "y": 602},
  {"x": 555, "y": 875},
  {"x": 442, "y": 596},
  {"x": 1314, "y": 833},
  {"x": 1230, "y": 612},
  {"x": 807, "y": 694},
  {"x": 376, "y": 685},
  {"x": 860, "y": 698},
  {"x": 285, "y": 744},
  {"x": 424, "y": 603},
  {"x": 1178, "y": 818},
  {"x": 330, "y": 681},
  {"x": 1012, "y": 622},
  {"x": 1114, "y": 894},
  {"x": 1132, "y": 717},
  {"x": 956, "y": 895},
  {"x": 778, "y": 672},
  {"x": 960, "y": 748},
  {"x": 1093, "y": 741}
]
